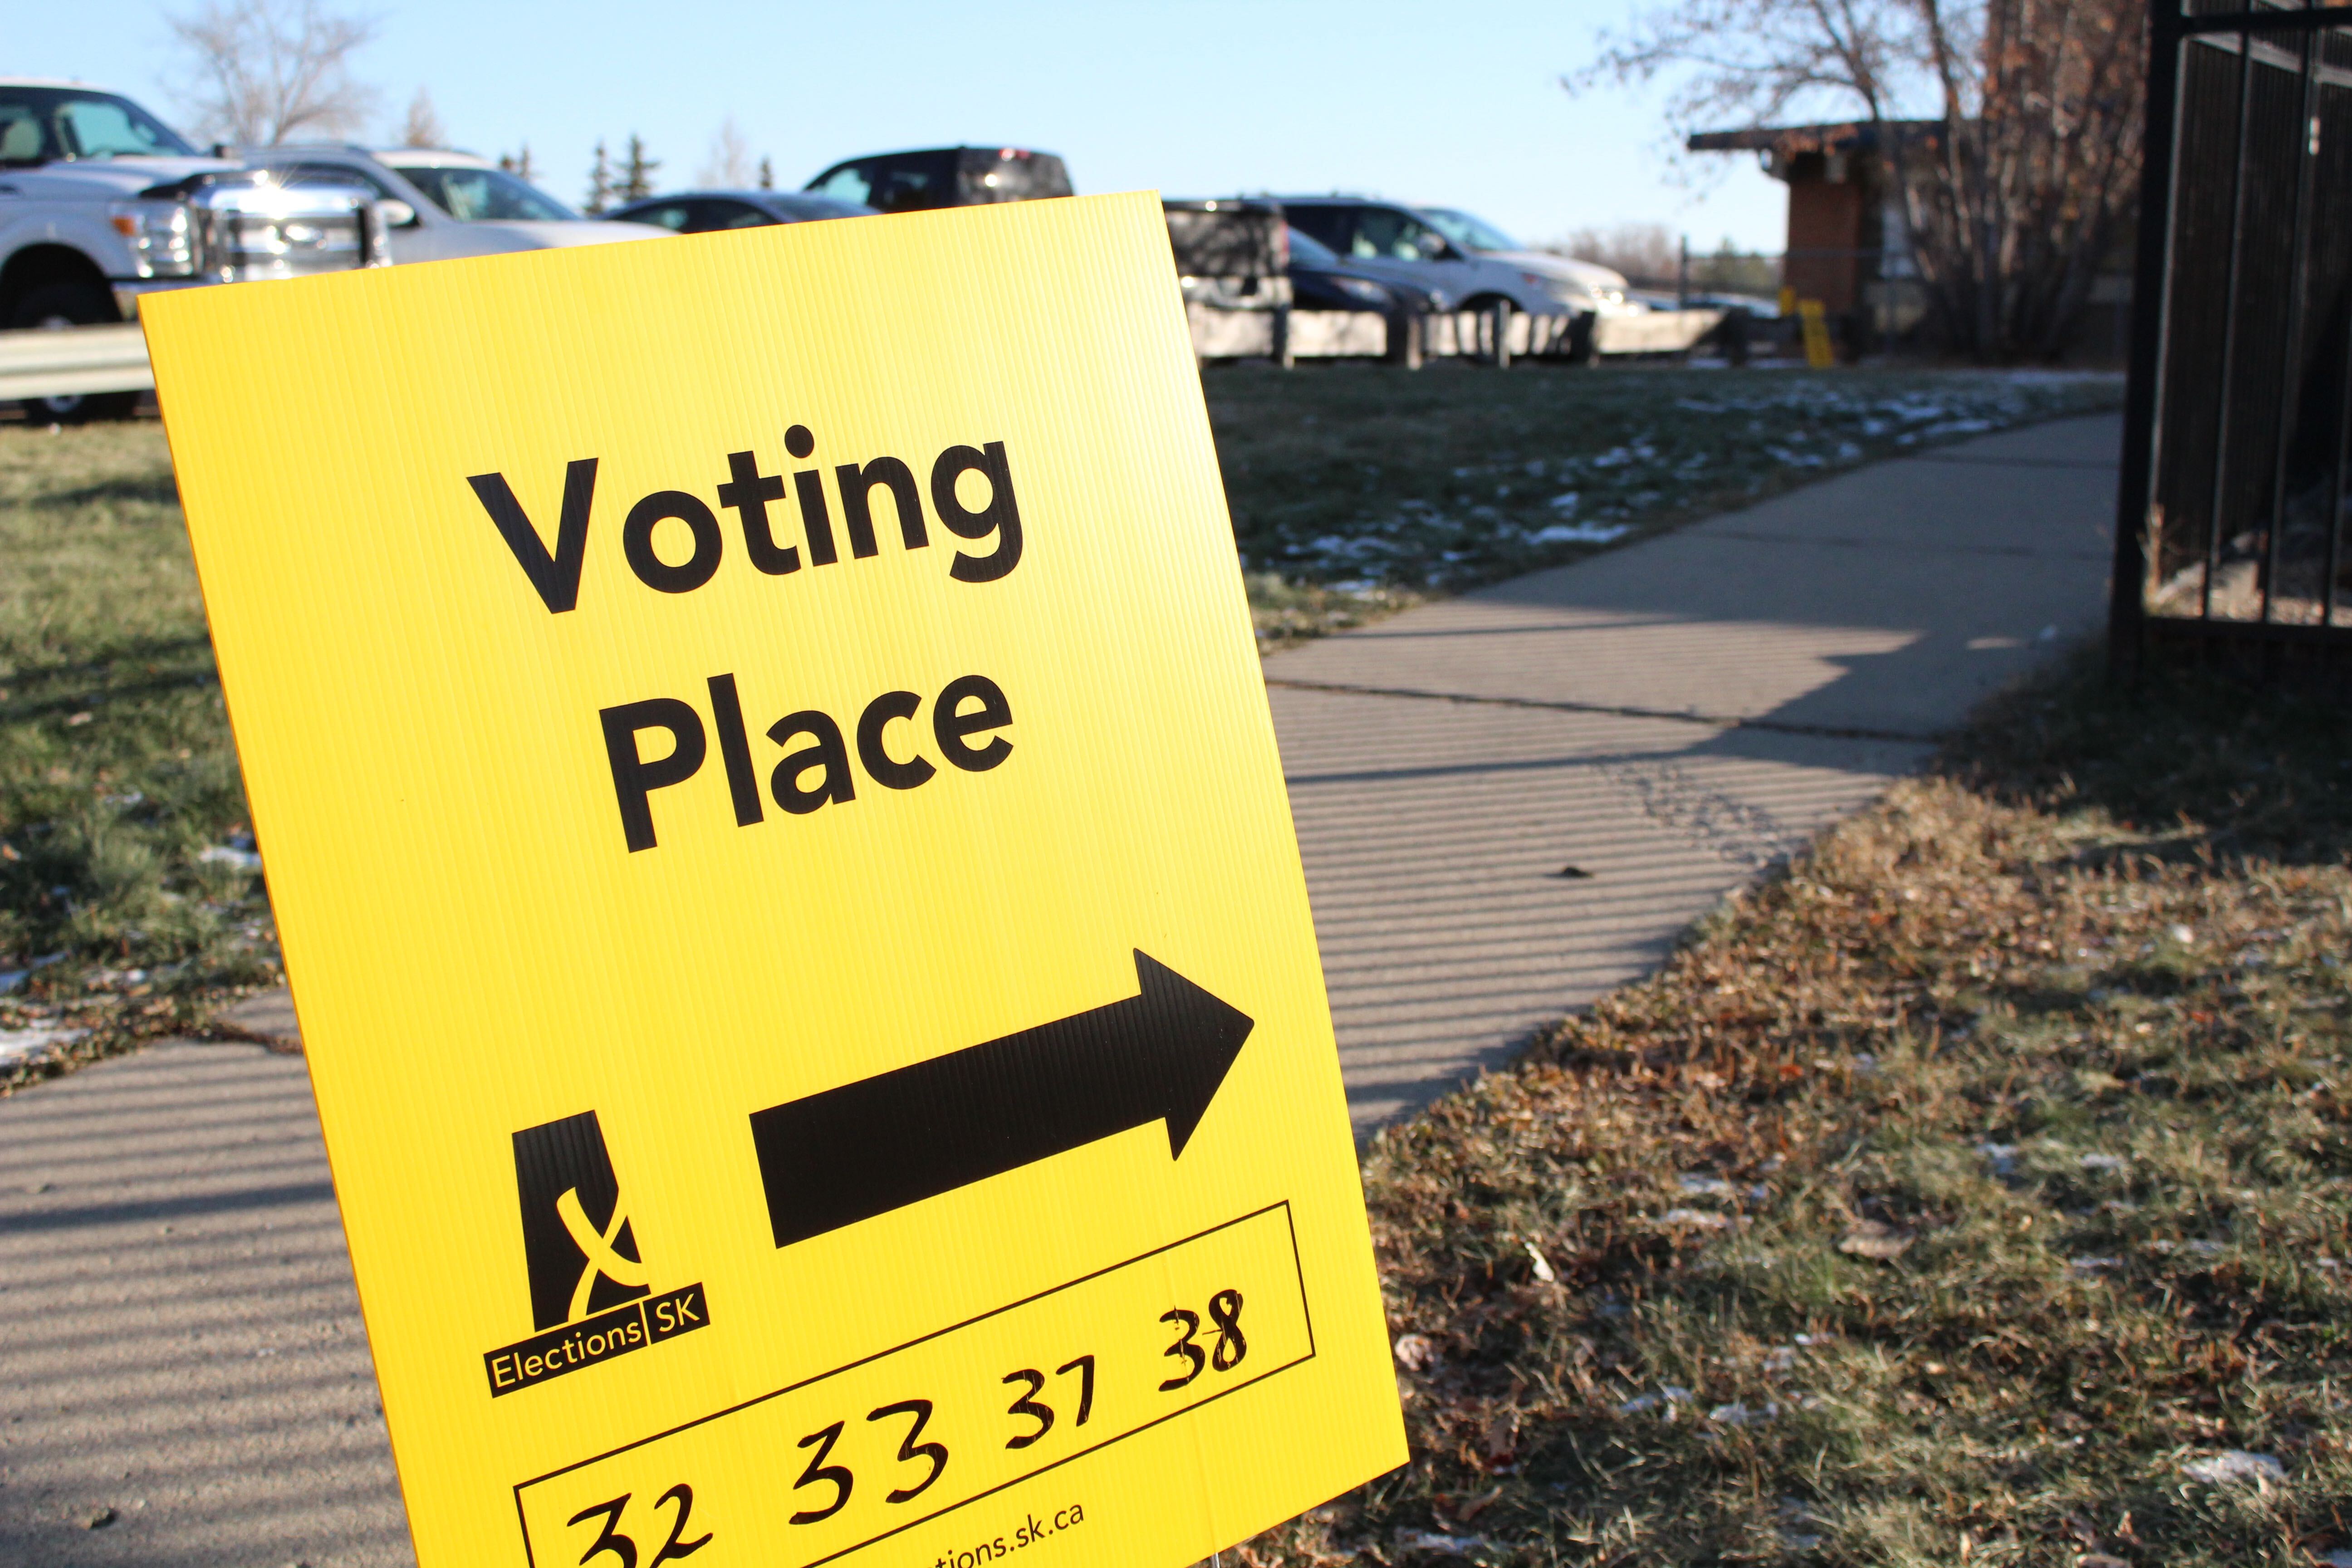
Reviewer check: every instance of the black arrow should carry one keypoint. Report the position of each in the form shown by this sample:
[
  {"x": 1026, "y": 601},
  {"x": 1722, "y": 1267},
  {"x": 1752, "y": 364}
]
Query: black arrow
[{"x": 884, "y": 1142}]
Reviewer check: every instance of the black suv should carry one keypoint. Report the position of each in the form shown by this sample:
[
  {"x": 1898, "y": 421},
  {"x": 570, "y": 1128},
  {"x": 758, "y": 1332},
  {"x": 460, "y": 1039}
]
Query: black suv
[{"x": 944, "y": 177}]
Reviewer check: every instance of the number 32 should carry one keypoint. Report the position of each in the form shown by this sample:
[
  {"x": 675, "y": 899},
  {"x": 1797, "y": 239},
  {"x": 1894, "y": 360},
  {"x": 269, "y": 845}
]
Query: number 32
[{"x": 624, "y": 1550}]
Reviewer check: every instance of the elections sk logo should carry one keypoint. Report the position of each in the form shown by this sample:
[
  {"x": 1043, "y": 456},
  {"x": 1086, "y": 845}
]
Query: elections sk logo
[{"x": 590, "y": 1288}]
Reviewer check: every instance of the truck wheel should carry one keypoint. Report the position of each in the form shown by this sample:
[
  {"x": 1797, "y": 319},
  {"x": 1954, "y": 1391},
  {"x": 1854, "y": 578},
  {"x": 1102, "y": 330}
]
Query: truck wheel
[{"x": 54, "y": 306}]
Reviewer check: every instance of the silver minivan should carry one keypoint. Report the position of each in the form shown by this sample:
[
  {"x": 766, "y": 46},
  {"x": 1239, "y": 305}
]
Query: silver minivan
[{"x": 1463, "y": 262}]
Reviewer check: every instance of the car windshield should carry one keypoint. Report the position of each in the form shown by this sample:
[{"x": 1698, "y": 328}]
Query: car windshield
[
  {"x": 894, "y": 182},
  {"x": 1469, "y": 233},
  {"x": 473, "y": 195},
  {"x": 1305, "y": 250},
  {"x": 43, "y": 124}
]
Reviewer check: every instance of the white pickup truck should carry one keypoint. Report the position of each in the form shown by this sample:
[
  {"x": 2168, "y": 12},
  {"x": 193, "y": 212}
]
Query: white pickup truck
[{"x": 101, "y": 203}]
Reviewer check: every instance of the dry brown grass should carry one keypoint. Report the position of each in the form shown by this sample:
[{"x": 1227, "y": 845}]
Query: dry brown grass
[{"x": 1942, "y": 1201}]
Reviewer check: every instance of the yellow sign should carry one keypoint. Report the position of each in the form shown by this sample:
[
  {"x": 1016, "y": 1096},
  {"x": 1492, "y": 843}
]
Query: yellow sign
[{"x": 775, "y": 825}]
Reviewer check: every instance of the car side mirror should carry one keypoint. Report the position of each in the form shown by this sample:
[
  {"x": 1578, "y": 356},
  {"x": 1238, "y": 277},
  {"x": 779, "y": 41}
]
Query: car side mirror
[
  {"x": 1434, "y": 248},
  {"x": 397, "y": 214}
]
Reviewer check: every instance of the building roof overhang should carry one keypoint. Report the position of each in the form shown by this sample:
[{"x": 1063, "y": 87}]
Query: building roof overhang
[{"x": 1785, "y": 141}]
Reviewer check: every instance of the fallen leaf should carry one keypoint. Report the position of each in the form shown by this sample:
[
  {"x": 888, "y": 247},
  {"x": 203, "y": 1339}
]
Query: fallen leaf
[
  {"x": 1869, "y": 1238},
  {"x": 1468, "y": 1512}
]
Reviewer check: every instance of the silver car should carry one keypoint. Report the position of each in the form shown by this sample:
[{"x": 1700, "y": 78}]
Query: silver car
[
  {"x": 1463, "y": 262},
  {"x": 441, "y": 205}
]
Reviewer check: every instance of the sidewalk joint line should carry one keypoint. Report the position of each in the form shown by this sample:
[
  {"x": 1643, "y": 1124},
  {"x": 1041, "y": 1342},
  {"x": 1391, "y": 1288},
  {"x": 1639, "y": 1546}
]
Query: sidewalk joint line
[
  {"x": 1851, "y": 542},
  {"x": 1985, "y": 462},
  {"x": 1617, "y": 710}
]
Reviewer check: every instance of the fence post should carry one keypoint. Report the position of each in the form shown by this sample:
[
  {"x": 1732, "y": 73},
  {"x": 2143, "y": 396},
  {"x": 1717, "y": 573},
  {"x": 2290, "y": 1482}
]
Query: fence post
[
  {"x": 2127, "y": 587},
  {"x": 1282, "y": 355},
  {"x": 1404, "y": 337},
  {"x": 1498, "y": 320}
]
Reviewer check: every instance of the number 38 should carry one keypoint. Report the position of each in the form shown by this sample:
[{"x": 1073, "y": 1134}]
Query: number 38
[{"x": 1226, "y": 1353}]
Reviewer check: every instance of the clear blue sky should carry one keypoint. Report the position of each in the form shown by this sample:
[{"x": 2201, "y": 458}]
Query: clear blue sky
[{"x": 1455, "y": 104}]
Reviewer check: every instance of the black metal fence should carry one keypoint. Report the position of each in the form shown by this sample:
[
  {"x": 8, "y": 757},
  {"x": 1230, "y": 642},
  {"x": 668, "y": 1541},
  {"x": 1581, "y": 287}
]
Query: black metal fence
[{"x": 2238, "y": 433}]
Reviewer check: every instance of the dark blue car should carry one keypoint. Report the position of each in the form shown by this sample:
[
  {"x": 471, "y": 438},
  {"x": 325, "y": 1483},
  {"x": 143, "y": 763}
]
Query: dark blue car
[
  {"x": 704, "y": 212},
  {"x": 1323, "y": 279}
]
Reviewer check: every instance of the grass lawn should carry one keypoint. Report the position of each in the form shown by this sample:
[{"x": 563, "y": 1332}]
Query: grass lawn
[
  {"x": 1356, "y": 486},
  {"x": 130, "y": 903},
  {"x": 130, "y": 900},
  {"x": 1977, "y": 1192}
]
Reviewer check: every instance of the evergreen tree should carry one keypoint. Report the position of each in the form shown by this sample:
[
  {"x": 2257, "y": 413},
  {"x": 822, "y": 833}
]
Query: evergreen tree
[
  {"x": 637, "y": 174},
  {"x": 599, "y": 185},
  {"x": 517, "y": 163},
  {"x": 767, "y": 175}
]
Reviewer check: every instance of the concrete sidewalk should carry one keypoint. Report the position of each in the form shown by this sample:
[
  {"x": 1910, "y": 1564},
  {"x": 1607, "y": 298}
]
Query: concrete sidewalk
[
  {"x": 184, "y": 1379},
  {"x": 184, "y": 1376},
  {"x": 1667, "y": 720}
]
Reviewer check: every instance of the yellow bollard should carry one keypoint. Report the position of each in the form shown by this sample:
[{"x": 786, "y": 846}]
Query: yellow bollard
[{"x": 1818, "y": 352}]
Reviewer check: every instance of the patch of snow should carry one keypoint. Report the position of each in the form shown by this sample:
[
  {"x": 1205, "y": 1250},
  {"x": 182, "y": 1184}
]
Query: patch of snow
[
  {"x": 30, "y": 1044},
  {"x": 1431, "y": 1540},
  {"x": 2235, "y": 1466},
  {"x": 1667, "y": 1394},
  {"x": 1581, "y": 533}
]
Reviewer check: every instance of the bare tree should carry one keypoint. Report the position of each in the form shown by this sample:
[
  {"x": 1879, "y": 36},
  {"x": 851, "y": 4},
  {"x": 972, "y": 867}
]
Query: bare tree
[
  {"x": 423, "y": 127},
  {"x": 266, "y": 70},
  {"x": 1756, "y": 61},
  {"x": 729, "y": 165},
  {"x": 2026, "y": 175},
  {"x": 1647, "y": 252},
  {"x": 2036, "y": 174}
]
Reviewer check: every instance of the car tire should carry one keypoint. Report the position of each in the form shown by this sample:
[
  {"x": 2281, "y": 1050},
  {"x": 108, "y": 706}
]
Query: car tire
[{"x": 56, "y": 307}]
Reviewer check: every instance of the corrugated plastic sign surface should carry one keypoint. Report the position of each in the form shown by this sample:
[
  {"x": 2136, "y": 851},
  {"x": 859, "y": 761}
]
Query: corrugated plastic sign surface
[{"x": 784, "y": 870}]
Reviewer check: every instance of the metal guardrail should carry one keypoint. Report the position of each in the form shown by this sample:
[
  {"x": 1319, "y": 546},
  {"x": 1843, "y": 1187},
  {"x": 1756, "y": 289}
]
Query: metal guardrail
[
  {"x": 1288, "y": 335},
  {"x": 74, "y": 360}
]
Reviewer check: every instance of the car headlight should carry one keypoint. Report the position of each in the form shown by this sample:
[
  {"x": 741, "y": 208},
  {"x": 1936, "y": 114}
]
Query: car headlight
[{"x": 162, "y": 241}]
